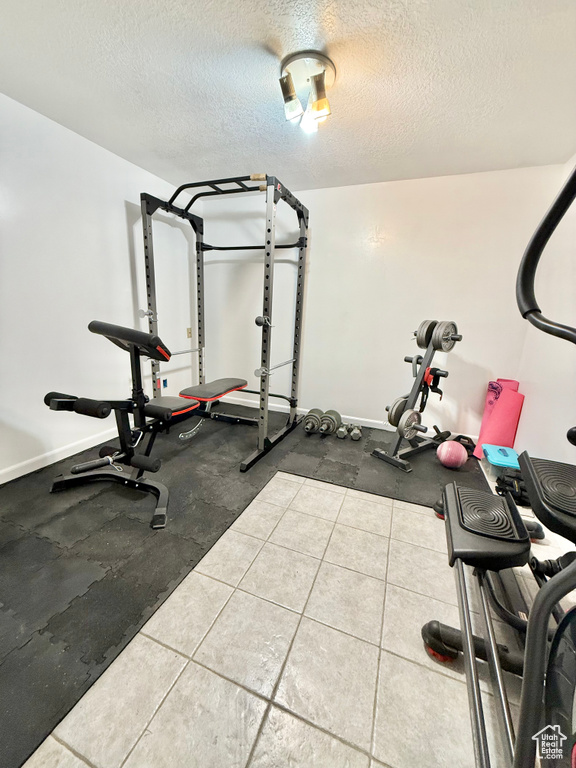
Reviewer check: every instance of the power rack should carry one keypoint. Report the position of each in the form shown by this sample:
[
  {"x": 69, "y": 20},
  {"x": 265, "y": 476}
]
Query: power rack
[{"x": 275, "y": 192}]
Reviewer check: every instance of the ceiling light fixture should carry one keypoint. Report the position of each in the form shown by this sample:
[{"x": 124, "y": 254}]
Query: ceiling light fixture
[{"x": 305, "y": 76}]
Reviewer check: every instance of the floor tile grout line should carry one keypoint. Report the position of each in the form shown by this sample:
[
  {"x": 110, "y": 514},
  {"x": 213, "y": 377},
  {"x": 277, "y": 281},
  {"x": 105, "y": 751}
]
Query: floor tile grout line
[
  {"x": 161, "y": 643},
  {"x": 285, "y": 662},
  {"x": 421, "y": 594},
  {"x": 364, "y": 530},
  {"x": 342, "y": 631},
  {"x": 375, "y": 705},
  {"x": 258, "y": 733},
  {"x": 423, "y": 666},
  {"x": 67, "y": 746},
  {"x": 157, "y": 709},
  {"x": 222, "y": 676},
  {"x": 288, "y": 711},
  {"x": 262, "y": 543}
]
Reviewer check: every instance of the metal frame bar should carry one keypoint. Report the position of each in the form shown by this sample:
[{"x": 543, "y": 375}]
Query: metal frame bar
[
  {"x": 496, "y": 671},
  {"x": 267, "y": 297},
  {"x": 481, "y": 753},
  {"x": 275, "y": 191}
]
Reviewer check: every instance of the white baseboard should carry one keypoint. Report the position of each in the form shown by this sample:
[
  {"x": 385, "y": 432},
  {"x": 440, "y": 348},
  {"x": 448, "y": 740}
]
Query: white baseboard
[
  {"x": 283, "y": 407},
  {"x": 45, "y": 459}
]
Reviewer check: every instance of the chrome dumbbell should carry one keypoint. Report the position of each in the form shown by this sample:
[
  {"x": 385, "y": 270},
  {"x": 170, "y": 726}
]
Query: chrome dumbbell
[
  {"x": 330, "y": 422},
  {"x": 355, "y": 431},
  {"x": 312, "y": 420}
]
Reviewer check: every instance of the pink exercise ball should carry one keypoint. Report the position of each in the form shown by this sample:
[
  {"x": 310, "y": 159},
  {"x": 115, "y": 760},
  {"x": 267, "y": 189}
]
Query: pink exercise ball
[{"x": 452, "y": 454}]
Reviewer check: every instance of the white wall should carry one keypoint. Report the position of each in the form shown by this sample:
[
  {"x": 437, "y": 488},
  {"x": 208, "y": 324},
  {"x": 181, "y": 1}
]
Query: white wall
[
  {"x": 547, "y": 366},
  {"x": 382, "y": 258},
  {"x": 71, "y": 252}
]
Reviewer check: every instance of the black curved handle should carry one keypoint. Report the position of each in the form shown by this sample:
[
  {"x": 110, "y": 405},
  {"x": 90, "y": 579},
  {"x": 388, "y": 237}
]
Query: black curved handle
[{"x": 525, "y": 296}]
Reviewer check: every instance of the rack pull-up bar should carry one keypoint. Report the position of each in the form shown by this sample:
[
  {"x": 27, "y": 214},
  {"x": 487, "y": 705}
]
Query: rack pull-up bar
[
  {"x": 215, "y": 186},
  {"x": 208, "y": 247}
]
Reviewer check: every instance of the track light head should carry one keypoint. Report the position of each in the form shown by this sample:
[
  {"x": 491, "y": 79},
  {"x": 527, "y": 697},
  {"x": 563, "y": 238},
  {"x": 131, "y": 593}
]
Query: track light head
[{"x": 292, "y": 106}]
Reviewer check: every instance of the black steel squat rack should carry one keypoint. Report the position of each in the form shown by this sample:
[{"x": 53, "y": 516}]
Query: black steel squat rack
[{"x": 275, "y": 191}]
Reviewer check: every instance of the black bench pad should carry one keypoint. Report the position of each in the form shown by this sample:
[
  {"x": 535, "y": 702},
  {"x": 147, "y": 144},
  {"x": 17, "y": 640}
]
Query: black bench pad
[
  {"x": 213, "y": 390},
  {"x": 167, "y": 407}
]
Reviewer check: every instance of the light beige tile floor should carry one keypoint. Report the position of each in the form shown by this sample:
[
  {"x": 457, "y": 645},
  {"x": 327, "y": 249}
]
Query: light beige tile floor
[{"x": 294, "y": 642}]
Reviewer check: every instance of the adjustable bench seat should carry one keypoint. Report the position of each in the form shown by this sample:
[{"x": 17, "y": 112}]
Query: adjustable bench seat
[
  {"x": 213, "y": 390},
  {"x": 165, "y": 408}
]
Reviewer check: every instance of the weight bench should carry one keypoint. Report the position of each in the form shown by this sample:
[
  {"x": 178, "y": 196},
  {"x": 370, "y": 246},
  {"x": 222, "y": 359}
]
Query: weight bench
[
  {"x": 136, "y": 442},
  {"x": 211, "y": 392}
]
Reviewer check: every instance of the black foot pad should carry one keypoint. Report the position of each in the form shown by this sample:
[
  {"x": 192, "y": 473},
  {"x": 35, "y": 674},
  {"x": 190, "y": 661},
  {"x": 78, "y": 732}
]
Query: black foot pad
[
  {"x": 558, "y": 483},
  {"x": 484, "y": 530},
  {"x": 486, "y": 514},
  {"x": 159, "y": 519}
]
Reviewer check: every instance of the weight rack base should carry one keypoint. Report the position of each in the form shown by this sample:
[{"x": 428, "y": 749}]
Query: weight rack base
[
  {"x": 399, "y": 459},
  {"x": 140, "y": 484},
  {"x": 270, "y": 443},
  {"x": 229, "y": 418},
  {"x": 402, "y": 464}
]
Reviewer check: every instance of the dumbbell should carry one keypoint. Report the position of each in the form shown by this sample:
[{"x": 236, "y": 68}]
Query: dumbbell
[
  {"x": 342, "y": 431},
  {"x": 312, "y": 420},
  {"x": 355, "y": 431},
  {"x": 330, "y": 422}
]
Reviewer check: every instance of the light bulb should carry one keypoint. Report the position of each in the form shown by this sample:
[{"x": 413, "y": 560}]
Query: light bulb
[{"x": 308, "y": 123}]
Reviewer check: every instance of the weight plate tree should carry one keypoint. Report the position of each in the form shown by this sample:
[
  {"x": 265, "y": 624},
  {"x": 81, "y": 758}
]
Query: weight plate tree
[
  {"x": 275, "y": 192},
  {"x": 402, "y": 414}
]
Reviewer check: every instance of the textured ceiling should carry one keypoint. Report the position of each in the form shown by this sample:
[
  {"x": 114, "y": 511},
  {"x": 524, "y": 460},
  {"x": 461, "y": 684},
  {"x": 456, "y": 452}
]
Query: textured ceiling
[{"x": 188, "y": 88}]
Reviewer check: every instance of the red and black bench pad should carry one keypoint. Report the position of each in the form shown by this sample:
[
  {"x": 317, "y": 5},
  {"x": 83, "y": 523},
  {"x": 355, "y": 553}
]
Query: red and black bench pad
[
  {"x": 166, "y": 408},
  {"x": 213, "y": 390}
]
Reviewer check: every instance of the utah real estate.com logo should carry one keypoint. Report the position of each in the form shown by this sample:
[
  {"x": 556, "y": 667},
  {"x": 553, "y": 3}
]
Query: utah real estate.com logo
[{"x": 550, "y": 740}]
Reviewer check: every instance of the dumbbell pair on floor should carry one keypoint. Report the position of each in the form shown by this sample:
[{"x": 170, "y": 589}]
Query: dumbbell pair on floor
[{"x": 329, "y": 423}]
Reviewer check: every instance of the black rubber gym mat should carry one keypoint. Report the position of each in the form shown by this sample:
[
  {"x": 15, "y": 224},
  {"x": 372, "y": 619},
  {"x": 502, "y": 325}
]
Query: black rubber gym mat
[{"x": 81, "y": 570}]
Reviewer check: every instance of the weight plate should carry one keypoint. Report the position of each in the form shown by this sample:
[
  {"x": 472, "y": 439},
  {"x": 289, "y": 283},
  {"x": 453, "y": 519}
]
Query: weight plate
[
  {"x": 396, "y": 410},
  {"x": 330, "y": 422},
  {"x": 441, "y": 336},
  {"x": 312, "y": 420},
  {"x": 405, "y": 425},
  {"x": 424, "y": 332}
]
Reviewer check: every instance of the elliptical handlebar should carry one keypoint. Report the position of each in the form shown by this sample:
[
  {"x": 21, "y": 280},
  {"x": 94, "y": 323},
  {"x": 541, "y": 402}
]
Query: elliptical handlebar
[{"x": 525, "y": 295}]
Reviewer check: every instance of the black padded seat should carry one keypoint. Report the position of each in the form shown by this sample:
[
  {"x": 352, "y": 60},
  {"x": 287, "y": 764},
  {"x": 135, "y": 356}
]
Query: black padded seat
[
  {"x": 213, "y": 390},
  {"x": 484, "y": 530},
  {"x": 551, "y": 487},
  {"x": 166, "y": 408}
]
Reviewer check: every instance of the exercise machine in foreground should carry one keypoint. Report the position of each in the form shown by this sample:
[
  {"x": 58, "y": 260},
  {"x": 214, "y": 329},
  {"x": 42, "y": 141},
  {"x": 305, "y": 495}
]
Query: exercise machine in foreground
[
  {"x": 486, "y": 533},
  {"x": 150, "y": 418},
  {"x": 208, "y": 393},
  {"x": 402, "y": 414}
]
